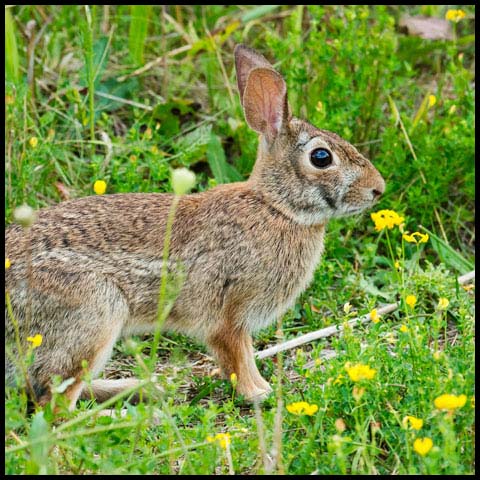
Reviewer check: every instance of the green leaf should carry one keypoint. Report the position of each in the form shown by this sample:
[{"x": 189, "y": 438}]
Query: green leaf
[
  {"x": 448, "y": 255},
  {"x": 222, "y": 171},
  {"x": 39, "y": 448}
]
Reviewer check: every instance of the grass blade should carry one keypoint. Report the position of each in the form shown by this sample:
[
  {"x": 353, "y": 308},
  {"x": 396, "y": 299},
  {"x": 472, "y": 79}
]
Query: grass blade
[
  {"x": 448, "y": 255},
  {"x": 11, "y": 50},
  {"x": 222, "y": 171},
  {"x": 138, "y": 32}
]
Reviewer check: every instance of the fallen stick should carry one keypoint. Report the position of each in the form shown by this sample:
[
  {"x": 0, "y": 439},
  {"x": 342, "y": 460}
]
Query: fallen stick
[{"x": 327, "y": 332}]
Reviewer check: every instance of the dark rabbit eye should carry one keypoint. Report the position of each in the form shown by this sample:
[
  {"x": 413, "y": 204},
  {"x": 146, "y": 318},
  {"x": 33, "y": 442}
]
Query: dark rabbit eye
[{"x": 320, "y": 158}]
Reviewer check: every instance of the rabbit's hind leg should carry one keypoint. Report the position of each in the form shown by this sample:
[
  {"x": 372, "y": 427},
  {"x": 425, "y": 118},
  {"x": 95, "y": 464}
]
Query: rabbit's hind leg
[
  {"x": 76, "y": 326},
  {"x": 234, "y": 352}
]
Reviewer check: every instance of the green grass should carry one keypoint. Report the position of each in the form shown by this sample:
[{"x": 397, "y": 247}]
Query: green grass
[{"x": 349, "y": 70}]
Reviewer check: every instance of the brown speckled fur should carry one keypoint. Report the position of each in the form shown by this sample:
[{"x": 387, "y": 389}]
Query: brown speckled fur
[{"x": 246, "y": 250}]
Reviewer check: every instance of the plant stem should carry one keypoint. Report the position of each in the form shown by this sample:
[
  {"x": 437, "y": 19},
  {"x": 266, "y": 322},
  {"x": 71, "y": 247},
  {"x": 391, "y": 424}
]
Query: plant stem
[{"x": 161, "y": 310}]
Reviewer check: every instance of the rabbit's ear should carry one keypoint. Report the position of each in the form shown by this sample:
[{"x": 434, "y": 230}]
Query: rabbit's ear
[
  {"x": 265, "y": 102},
  {"x": 246, "y": 60}
]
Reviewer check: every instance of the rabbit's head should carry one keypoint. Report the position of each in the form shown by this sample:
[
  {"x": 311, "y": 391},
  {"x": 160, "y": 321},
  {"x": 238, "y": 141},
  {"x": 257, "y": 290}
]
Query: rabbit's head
[{"x": 309, "y": 174}]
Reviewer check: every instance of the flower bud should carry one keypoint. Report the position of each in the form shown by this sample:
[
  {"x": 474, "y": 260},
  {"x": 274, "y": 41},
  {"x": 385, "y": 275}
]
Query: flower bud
[
  {"x": 183, "y": 180},
  {"x": 24, "y": 215}
]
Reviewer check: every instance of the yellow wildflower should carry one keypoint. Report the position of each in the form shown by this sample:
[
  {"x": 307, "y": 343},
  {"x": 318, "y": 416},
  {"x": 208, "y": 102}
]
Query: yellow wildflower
[
  {"x": 338, "y": 380},
  {"x": 33, "y": 142},
  {"x": 36, "y": 340},
  {"x": 403, "y": 328},
  {"x": 415, "y": 423},
  {"x": 386, "y": 219},
  {"x": 443, "y": 303},
  {"x": 154, "y": 149},
  {"x": 454, "y": 15},
  {"x": 100, "y": 187},
  {"x": 397, "y": 265},
  {"x": 223, "y": 439},
  {"x": 360, "y": 372},
  {"x": 437, "y": 354},
  {"x": 233, "y": 379},
  {"x": 422, "y": 445},
  {"x": 8, "y": 263},
  {"x": 374, "y": 316},
  {"x": 411, "y": 300},
  {"x": 302, "y": 408},
  {"x": 422, "y": 238},
  {"x": 432, "y": 100},
  {"x": 450, "y": 402}
]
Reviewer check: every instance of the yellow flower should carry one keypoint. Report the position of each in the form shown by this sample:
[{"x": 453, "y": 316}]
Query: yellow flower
[
  {"x": 454, "y": 15},
  {"x": 8, "y": 263},
  {"x": 36, "y": 340},
  {"x": 374, "y": 316},
  {"x": 397, "y": 265},
  {"x": 233, "y": 379},
  {"x": 422, "y": 238},
  {"x": 386, "y": 219},
  {"x": 360, "y": 372},
  {"x": 411, "y": 300},
  {"x": 415, "y": 423},
  {"x": 443, "y": 303},
  {"x": 302, "y": 408},
  {"x": 100, "y": 187},
  {"x": 403, "y": 328},
  {"x": 422, "y": 445},
  {"x": 223, "y": 439},
  {"x": 154, "y": 149},
  {"x": 33, "y": 142},
  {"x": 338, "y": 380},
  {"x": 452, "y": 109},
  {"x": 437, "y": 354},
  {"x": 450, "y": 402},
  {"x": 432, "y": 100}
]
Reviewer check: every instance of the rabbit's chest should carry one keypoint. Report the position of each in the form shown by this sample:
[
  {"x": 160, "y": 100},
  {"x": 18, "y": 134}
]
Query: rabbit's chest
[{"x": 283, "y": 280}]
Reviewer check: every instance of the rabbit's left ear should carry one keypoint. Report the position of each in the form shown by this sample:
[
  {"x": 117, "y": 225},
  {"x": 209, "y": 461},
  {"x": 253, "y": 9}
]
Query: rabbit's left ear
[{"x": 265, "y": 102}]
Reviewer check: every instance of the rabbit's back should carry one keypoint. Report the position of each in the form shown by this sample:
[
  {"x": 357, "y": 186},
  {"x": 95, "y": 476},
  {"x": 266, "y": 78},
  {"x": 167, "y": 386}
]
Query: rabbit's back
[{"x": 236, "y": 254}]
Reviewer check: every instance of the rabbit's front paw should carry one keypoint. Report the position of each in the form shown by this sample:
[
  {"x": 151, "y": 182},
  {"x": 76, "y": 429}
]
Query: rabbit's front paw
[{"x": 257, "y": 394}]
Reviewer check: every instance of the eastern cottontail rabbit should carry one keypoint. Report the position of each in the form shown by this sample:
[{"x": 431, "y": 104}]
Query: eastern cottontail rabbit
[{"x": 248, "y": 249}]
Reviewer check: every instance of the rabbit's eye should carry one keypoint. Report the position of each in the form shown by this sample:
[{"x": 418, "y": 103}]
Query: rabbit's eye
[{"x": 320, "y": 158}]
